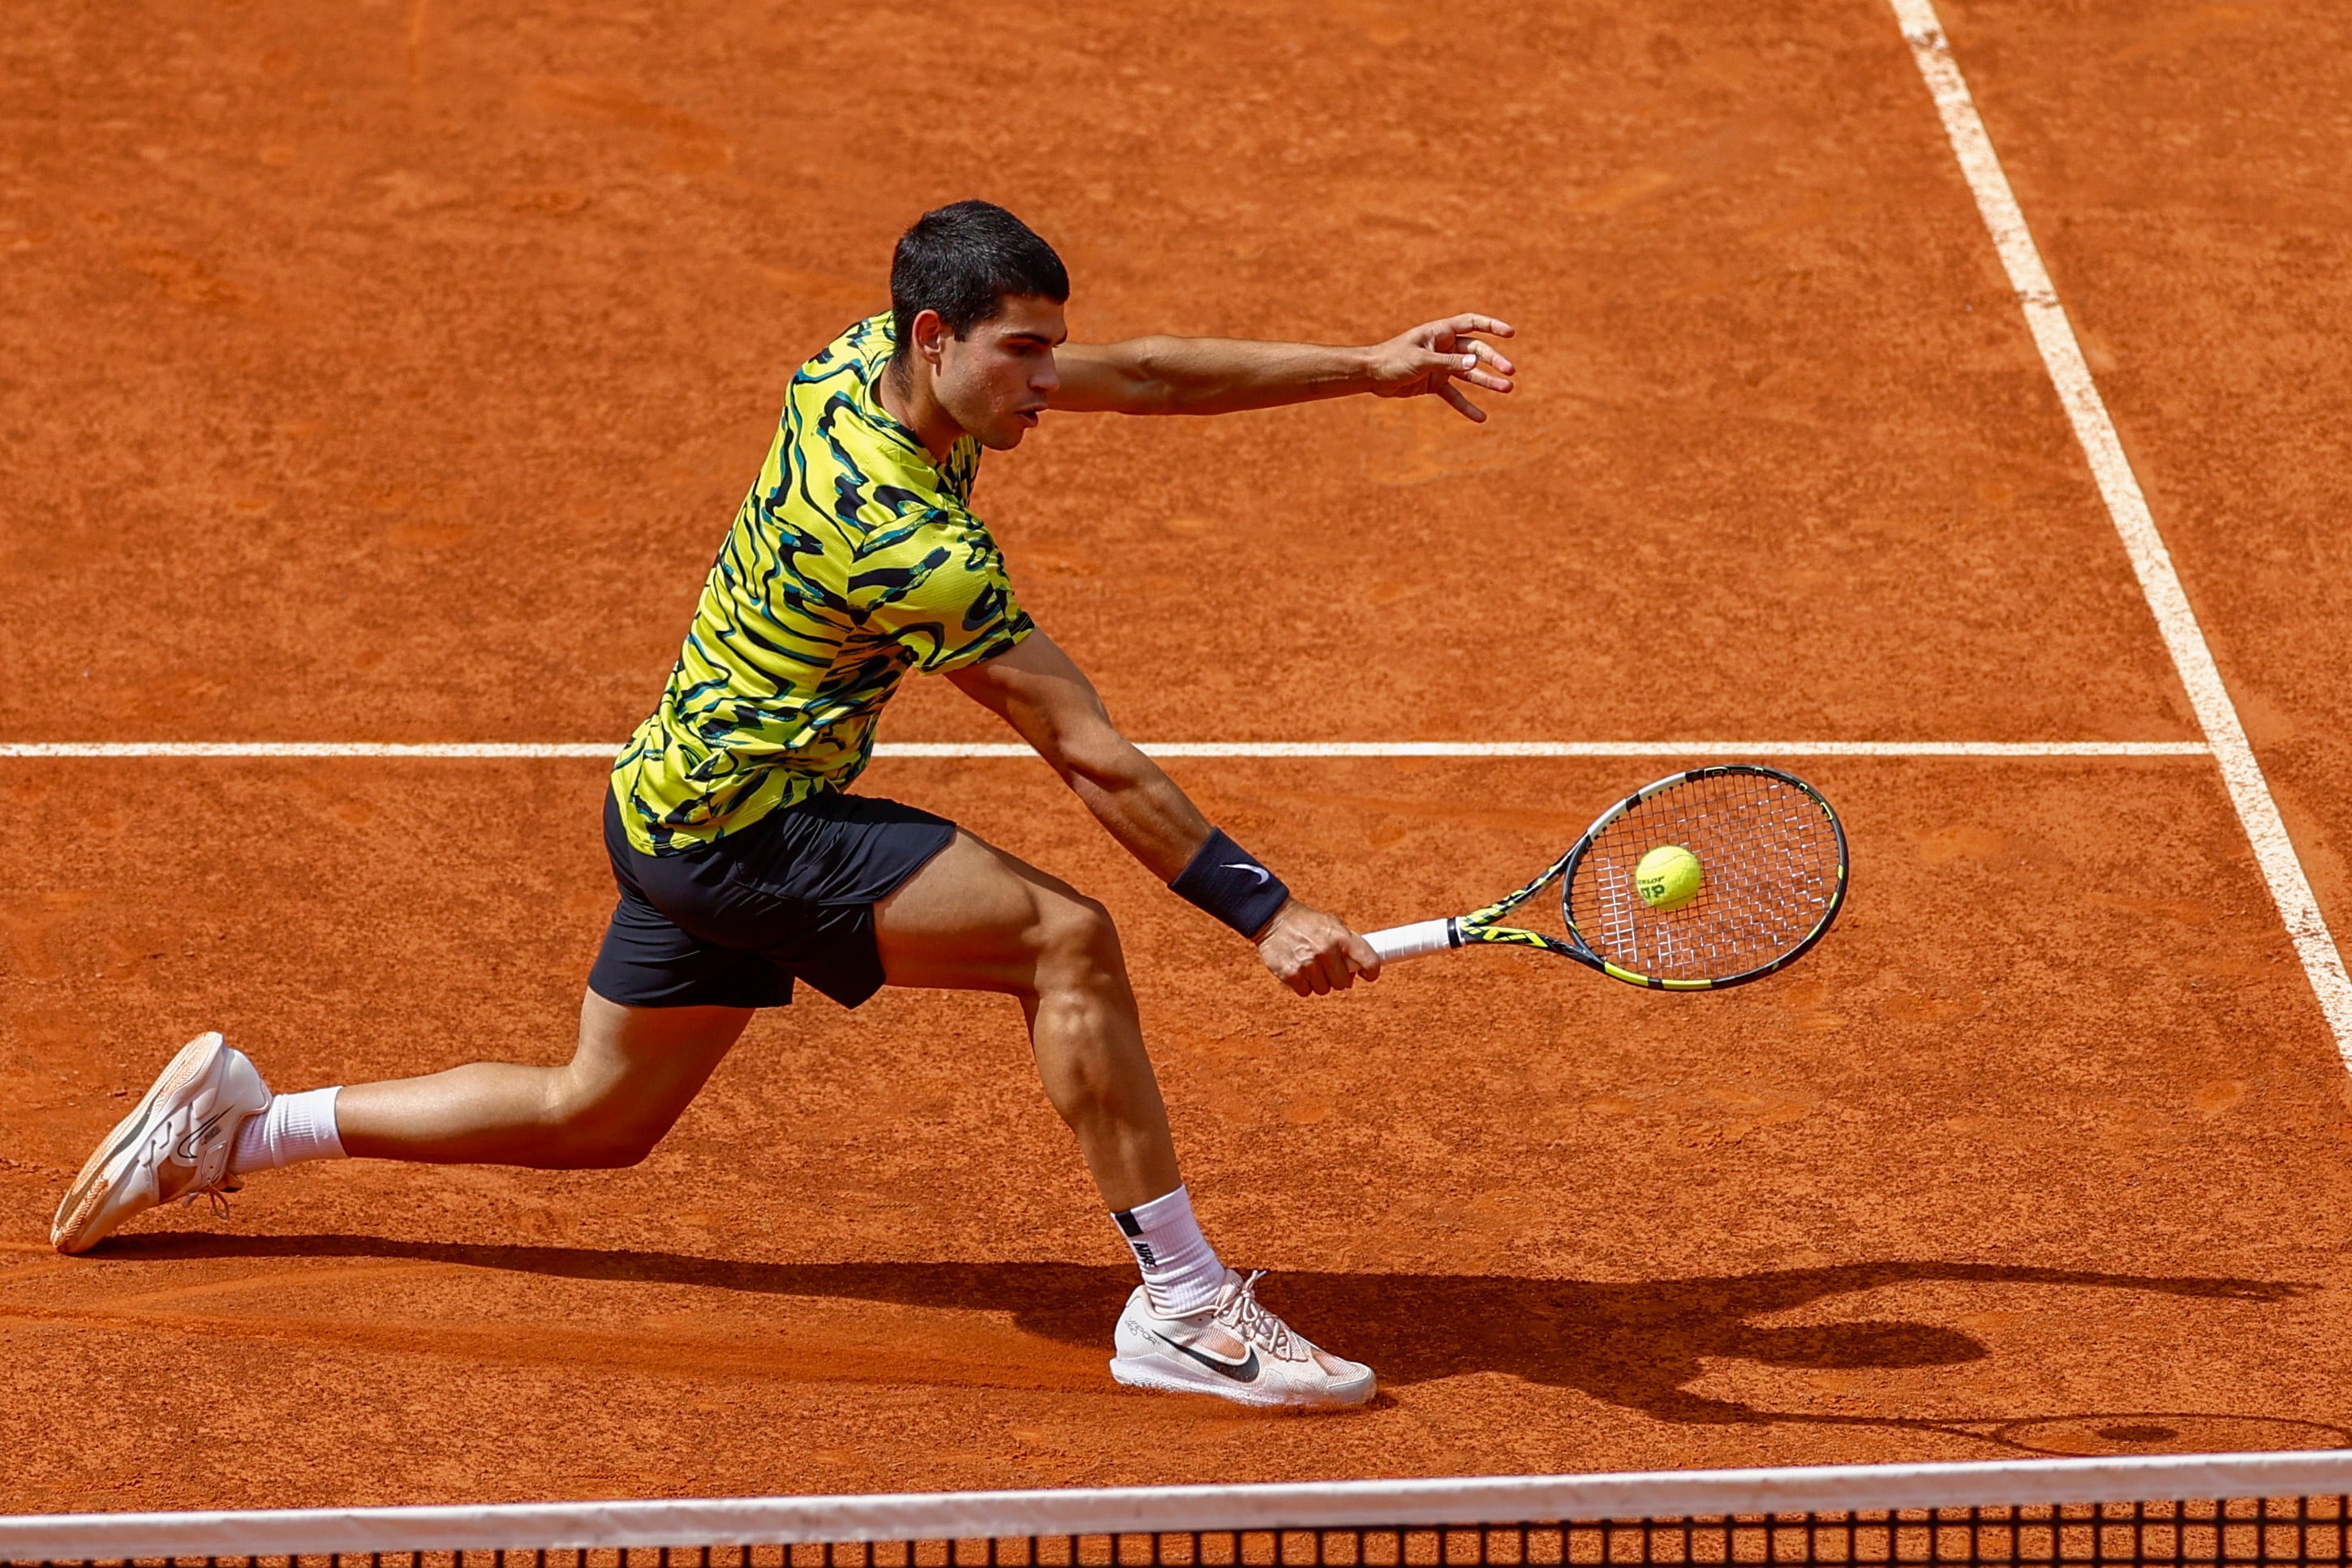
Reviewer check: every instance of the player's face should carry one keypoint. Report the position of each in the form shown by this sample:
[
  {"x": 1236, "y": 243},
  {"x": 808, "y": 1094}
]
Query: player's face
[{"x": 995, "y": 381}]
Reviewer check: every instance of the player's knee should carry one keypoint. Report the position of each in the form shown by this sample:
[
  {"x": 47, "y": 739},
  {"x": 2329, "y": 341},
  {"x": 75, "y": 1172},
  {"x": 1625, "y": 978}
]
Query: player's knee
[
  {"x": 594, "y": 1133},
  {"x": 610, "y": 1149},
  {"x": 1077, "y": 945}
]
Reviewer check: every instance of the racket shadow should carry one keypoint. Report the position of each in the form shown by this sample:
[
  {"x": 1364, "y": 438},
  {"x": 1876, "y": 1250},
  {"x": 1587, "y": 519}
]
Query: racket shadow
[{"x": 1635, "y": 1345}]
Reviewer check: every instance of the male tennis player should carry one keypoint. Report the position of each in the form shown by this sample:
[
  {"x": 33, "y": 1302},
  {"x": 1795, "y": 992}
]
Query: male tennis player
[{"x": 745, "y": 864}]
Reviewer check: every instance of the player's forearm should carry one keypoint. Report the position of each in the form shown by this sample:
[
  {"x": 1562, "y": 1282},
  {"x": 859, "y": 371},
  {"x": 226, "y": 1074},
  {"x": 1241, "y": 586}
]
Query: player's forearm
[
  {"x": 1227, "y": 375},
  {"x": 1139, "y": 805},
  {"x": 1048, "y": 700},
  {"x": 1144, "y": 810}
]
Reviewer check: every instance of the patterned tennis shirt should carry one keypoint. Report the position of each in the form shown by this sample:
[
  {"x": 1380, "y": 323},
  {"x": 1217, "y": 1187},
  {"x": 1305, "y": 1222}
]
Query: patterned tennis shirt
[{"x": 855, "y": 559}]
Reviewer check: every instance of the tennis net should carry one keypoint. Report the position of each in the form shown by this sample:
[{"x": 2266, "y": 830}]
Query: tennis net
[{"x": 2251, "y": 1509}]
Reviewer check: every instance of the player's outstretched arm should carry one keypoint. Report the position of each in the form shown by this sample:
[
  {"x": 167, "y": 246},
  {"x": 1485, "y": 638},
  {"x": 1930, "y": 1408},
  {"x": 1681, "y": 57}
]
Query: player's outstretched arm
[
  {"x": 1047, "y": 699},
  {"x": 1225, "y": 375}
]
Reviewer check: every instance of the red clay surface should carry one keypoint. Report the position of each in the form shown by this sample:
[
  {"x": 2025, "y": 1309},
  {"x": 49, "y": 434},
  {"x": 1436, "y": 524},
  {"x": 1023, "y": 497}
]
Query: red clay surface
[
  {"x": 2181, "y": 165},
  {"x": 389, "y": 374}
]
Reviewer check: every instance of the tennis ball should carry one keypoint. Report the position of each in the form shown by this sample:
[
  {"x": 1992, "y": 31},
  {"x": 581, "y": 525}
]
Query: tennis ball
[{"x": 1668, "y": 877}]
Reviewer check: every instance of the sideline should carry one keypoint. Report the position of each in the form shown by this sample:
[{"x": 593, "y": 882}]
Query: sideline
[
  {"x": 604, "y": 750},
  {"x": 2061, "y": 356}
]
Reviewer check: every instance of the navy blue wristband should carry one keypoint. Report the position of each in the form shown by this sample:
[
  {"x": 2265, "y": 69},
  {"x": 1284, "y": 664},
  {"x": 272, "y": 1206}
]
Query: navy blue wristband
[{"x": 1226, "y": 880}]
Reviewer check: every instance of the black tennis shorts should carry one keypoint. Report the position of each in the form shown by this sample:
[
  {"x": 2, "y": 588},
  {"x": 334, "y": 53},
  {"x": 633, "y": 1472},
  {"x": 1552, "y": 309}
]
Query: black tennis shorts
[{"x": 732, "y": 923}]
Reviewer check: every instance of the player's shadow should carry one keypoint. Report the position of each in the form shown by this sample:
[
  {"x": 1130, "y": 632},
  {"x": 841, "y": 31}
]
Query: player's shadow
[{"x": 1636, "y": 1345}]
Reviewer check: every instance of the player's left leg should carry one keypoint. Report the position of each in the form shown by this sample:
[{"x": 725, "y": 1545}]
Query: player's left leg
[
  {"x": 174, "y": 1145},
  {"x": 662, "y": 1009},
  {"x": 209, "y": 1118},
  {"x": 633, "y": 1072}
]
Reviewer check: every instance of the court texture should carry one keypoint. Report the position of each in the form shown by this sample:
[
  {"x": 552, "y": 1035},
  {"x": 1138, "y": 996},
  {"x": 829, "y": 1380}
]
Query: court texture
[{"x": 384, "y": 375}]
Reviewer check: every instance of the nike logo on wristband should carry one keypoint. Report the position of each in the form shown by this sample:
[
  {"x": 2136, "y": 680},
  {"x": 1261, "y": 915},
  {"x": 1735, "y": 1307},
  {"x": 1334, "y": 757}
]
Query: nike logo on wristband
[
  {"x": 1259, "y": 871},
  {"x": 1242, "y": 1371}
]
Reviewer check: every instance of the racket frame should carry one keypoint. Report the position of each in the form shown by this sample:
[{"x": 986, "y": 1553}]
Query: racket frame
[{"x": 1479, "y": 928}]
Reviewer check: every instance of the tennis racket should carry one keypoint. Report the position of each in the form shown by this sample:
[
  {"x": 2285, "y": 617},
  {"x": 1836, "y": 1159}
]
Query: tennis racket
[{"x": 1771, "y": 876}]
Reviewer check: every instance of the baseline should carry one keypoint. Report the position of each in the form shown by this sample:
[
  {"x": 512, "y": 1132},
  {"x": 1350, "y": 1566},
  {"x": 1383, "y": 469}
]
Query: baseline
[{"x": 529, "y": 751}]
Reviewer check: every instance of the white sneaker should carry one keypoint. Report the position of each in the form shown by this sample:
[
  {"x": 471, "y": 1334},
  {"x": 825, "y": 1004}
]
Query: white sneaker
[
  {"x": 1238, "y": 1349},
  {"x": 176, "y": 1144}
]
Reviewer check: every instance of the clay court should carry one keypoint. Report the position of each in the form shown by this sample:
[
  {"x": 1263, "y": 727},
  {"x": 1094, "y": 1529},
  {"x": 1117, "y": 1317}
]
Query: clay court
[{"x": 388, "y": 373}]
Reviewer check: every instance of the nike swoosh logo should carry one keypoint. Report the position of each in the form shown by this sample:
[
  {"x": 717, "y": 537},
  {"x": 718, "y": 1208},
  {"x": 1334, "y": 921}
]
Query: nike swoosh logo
[
  {"x": 1259, "y": 871},
  {"x": 1242, "y": 1371},
  {"x": 186, "y": 1150}
]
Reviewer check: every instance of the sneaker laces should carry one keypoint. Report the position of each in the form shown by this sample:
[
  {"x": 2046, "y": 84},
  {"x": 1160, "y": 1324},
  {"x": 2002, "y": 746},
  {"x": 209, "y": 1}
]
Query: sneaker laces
[
  {"x": 1241, "y": 1313},
  {"x": 215, "y": 1193},
  {"x": 226, "y": 1182}
]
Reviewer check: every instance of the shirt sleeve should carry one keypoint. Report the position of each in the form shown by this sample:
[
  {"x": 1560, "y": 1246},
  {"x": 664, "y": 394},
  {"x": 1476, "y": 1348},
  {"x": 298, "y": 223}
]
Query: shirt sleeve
[{"x": 938, "y": 588}]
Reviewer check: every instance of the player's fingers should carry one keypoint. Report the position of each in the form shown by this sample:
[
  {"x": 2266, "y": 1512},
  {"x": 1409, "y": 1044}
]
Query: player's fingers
[
  {"x": 1364, "y": 957},
  {"x": 1434, "y": 362},
  {"x": 1462, "y": 405},
  {"x": 1465, "y": 365},
  {"x": 1471, "y": 321},
  {"x": 1489, "y": 355},
  {"x": 1302, "y": 977}
]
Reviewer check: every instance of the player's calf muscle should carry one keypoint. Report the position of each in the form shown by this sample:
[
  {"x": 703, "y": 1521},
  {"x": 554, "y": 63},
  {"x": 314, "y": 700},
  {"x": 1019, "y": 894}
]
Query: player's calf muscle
[
  {"x": 492, "y": 1112},
  {"x": 633, "y": 1073}
]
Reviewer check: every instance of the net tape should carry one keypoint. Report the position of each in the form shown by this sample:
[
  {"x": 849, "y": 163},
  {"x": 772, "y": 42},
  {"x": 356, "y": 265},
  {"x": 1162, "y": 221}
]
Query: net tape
[{"x": 2186, "y": 1509}]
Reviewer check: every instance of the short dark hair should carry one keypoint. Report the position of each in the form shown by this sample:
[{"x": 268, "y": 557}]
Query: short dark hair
[{"x": 962, "y": 260}]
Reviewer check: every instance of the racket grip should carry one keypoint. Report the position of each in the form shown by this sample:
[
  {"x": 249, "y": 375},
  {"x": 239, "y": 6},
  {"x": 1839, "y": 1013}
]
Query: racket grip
[{"x": 1413, "y": 941}]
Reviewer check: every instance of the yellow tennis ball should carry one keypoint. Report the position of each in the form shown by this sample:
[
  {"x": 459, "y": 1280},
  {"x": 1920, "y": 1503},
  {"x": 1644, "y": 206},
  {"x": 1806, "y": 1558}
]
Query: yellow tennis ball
[{"x": 1668, "y": 877}]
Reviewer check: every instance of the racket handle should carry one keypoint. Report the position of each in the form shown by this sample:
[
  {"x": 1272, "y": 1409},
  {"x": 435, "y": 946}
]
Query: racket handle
[{"x": 1411, "y": 941}]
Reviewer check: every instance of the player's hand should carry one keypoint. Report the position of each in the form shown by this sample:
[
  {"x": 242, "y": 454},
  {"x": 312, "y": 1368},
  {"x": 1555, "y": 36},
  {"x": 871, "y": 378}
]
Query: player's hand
[
  {"x": 1315, "y": 954},
  {"x": 1428, "y": 361}
]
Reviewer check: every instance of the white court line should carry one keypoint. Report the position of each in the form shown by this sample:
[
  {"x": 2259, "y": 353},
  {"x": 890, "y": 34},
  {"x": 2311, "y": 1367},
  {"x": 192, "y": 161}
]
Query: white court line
[
  {"x": 2071, "y": 374},
  {"x": 524, "y": 750}
]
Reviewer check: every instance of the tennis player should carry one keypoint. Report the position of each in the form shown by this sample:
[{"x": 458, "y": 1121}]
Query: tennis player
[{"x": 744, "y": 865}]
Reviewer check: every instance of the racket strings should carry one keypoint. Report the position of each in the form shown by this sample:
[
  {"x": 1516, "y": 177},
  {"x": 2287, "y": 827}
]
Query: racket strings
[{"x": 1769, "y": 859}]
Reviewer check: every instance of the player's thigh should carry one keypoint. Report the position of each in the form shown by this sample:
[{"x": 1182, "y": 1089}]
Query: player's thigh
[
  {"x": 642, "y": 1066},
  {"x": 975, "y": 918}
]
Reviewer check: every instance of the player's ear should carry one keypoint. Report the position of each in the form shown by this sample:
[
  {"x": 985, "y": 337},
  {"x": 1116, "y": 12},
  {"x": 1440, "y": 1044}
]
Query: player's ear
[{"x": 929, "y": 331}]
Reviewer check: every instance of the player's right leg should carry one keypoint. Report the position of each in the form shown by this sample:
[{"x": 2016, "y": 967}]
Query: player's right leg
[{"x": 975, "y": 918}]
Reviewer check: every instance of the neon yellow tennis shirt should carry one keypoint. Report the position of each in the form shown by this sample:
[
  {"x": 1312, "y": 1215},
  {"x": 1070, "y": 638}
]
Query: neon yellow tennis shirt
[{"x": 854, "y": 558}]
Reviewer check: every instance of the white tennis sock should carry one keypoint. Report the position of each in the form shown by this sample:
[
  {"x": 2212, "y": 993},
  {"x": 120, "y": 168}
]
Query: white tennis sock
[
  {"x": 293, "y": 1128},
  {"x": 1180, "y": 1270}
]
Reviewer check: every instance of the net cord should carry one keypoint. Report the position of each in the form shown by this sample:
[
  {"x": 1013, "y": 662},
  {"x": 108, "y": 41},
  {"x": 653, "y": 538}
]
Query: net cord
[{"x": 982, "y": 1515}]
